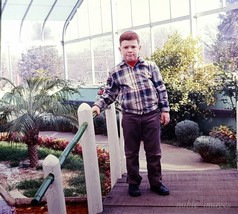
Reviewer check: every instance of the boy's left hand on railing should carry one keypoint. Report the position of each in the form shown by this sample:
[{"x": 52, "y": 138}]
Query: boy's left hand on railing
[{"x": 96, "y": 109}]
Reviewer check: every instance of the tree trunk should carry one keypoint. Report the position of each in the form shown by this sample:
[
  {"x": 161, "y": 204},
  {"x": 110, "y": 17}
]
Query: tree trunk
[
  {"x": 31, "y": 139},
  {"x": 33, "y": 155}
]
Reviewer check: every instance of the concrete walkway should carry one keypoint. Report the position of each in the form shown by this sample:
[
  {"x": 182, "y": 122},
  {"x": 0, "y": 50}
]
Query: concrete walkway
[{"x": 173, "y": 158}]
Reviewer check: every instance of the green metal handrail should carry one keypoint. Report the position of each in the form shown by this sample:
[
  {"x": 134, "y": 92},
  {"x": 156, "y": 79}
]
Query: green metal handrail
[
  {"x": 50, "y": 178},
  {"x": 73, "y": 143}
]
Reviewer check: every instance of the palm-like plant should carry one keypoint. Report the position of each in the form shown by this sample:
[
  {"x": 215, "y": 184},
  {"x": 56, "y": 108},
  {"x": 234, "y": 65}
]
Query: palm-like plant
[{"x": 27, "y": 104}]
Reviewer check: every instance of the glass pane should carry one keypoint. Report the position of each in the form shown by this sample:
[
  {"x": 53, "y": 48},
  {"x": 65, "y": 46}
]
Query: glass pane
[
  {"x": 53, "y": 30},
  {"x": 39, "y": 9},
  {"x": 124, "y": 19},
  {"x": 162, "y": 32},
  {"x": 73, "y": 29},
  {"x": 14, "y": 12},
  {"x": 140, "y": 12},
  {"x": 231, "y": 1},
  {"x": 103, "y": 58},
  {"x": 10, "y": 55},
  {"x": 79, "y": 26},
  {"x": 182, "y": 27},
  {"x": 79, "y": 62},
  {"x": 34, "y": 14},
  {"x": 10, "y": 30},
  {"x": 106, "y": 15},
  {"x": 205, "y": 5},
  {"x": 160, "y": 10},
  {"x": 207, "y": 27},
  {"x": 145, "y": 42},
  {"x": 95, "y": 17},
  {"x": 179, "y": 8}
]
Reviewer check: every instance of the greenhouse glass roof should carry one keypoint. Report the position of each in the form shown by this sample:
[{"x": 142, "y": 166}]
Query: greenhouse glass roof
[
  {"x": 38, "y": 10},
  {"x": 23, "y": 11}
]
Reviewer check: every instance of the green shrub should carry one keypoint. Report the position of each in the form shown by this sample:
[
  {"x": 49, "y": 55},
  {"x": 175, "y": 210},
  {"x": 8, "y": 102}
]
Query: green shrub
[
  {"x": 190, "y": 81},
  {"x": 168, "y": 132},
  {"x": 228, "y": 136},
  {"x": 100, "y": 125},
  {"x": 30, "y": 186},
  {"x": 186, "y": 132},
  {"x": 211, "y": 149},
  {"x": 59, "y": 123},
  {"x": 225, "y": 134}
]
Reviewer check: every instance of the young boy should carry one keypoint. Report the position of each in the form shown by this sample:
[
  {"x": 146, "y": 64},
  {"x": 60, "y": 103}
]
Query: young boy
[{"x": 144, "y": 104}]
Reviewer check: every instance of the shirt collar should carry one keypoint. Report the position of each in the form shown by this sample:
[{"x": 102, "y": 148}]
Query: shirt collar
[{"x": 140, "y": 60}]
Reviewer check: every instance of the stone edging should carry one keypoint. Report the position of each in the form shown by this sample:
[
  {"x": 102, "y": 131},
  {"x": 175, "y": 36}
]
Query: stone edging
[{"x": 11, "y": 201}]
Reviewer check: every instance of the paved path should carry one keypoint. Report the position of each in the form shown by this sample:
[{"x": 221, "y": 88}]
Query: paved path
[{"x": 173, "y": 158}]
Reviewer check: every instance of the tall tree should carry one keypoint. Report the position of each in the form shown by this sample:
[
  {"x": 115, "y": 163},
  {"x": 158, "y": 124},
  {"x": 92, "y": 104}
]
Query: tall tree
[
  {"x": 224, "y": 52},
  {"x": 40, "y": 61},
  {"x": 225, "y": 48}
]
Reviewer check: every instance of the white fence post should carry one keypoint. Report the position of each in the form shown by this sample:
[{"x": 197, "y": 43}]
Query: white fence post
[
  {"x": 122, "y": 147},
  {"x": 91, "y": 168},
  {"x": 55, "y": 194},
  {"x": 113, "y": 141}
]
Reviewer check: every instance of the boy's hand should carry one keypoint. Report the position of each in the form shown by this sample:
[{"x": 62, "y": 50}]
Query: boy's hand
[
  {"x": 96, "y": 109},
  {"x": 164, "y": 118}
]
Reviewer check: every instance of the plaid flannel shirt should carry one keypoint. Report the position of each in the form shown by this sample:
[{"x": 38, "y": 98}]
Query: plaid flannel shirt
[{"x": 140, "y": 89}]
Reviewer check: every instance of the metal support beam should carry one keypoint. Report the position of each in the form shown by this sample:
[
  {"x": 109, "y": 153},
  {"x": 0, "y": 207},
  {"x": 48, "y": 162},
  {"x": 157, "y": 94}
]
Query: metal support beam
[
  {"x": 24, "y": 17},
  {"x": 70, "y": 17},
  {"x": 43, "y": 26}
]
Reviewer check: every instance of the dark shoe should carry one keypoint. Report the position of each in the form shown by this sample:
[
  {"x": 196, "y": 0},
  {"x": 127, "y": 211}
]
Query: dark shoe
[
  {"x": 161, "y": 190},
  {"x": 134, "y": 190}
]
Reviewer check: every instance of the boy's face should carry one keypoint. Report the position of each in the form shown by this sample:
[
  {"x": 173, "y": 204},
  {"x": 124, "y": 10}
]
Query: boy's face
[{"x": 129, "y": 50}]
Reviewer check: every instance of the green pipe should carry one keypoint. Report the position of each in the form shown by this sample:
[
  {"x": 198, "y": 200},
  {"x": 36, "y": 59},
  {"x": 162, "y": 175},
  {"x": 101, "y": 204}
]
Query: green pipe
[
  {"x": 72, "y": 144},
  {"x": 50, "y": 178},
  {"x": 41, "y": 191}
]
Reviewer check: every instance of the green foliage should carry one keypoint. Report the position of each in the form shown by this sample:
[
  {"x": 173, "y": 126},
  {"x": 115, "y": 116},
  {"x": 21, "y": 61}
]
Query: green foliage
[
  {"x": 57, "y": 123},
  {"x": 211, "y": 149},
  {"x": 31, "y": 183},
  {"x": 225, "y": 134},
  {"x": 223, "y": 51},
  {"x": 186, "y": 132},
  {"x": 74, "y": 162},
  {"x": 188, "y": 80},
  {"x": 25, "y": 105},
  {"x": 228, "y": 137},
  {"x": 30, "y": 186},
  {"x": 17, "y": 152},
  {"x": 100, "y": 125},
  {"x": 229, "y": 90},
  {"x": 12, "y": 152},
  {"x": 168, "y": 132},
  {"x": 77, "y": 186},
  {"x": 224, "y": 48}
]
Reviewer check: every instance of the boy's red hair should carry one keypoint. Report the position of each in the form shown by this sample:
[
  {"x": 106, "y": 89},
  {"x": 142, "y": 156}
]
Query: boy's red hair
[{"x": 129, "y": 35}]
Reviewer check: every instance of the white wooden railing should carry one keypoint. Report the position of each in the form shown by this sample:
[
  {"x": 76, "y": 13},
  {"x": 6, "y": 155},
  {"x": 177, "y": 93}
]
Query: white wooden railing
[{"x": 51, "y": 166}]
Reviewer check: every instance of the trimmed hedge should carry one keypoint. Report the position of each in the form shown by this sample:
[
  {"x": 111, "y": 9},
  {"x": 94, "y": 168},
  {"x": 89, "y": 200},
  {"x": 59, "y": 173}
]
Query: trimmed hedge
[
  {"x": 186, "y": 132},
  {"x": 211, "y": 149}
]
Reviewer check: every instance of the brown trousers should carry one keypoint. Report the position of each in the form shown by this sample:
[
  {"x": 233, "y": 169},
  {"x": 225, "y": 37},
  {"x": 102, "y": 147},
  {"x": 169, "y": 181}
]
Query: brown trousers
[{"x": 146, "y": 128}]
